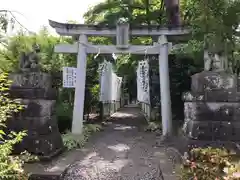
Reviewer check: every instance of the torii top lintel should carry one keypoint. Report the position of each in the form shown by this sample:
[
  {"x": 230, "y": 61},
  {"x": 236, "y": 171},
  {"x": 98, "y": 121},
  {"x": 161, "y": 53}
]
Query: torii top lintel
[{"x": 66, "y": 29}]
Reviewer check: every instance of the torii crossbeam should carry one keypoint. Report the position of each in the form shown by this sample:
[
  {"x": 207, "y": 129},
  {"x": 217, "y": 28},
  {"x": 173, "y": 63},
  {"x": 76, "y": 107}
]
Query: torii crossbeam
[{"x": 122, "y": 33}]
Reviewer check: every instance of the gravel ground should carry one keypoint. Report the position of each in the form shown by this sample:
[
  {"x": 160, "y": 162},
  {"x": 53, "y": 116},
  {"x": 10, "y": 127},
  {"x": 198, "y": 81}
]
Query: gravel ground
[{"x": 123, "y": 151}]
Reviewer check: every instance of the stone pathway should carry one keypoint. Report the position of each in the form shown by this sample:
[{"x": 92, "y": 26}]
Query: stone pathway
[{"x": 123, "y": 151}]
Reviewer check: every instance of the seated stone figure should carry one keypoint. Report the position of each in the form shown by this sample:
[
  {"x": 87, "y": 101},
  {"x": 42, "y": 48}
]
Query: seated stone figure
[
  {"x": 30, "y": 61},
  {"x": 215, "y": 61}
]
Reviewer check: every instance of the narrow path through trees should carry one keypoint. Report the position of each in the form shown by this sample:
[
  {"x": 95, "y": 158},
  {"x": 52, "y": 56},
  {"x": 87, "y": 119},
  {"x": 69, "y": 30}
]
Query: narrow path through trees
[{"x": 122, "y": 151}]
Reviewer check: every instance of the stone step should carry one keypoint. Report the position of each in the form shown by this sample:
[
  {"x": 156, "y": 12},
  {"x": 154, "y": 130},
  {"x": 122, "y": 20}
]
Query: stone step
[
  {"x": 51, "y": 170},
  {"x": 44, "y": 177}
]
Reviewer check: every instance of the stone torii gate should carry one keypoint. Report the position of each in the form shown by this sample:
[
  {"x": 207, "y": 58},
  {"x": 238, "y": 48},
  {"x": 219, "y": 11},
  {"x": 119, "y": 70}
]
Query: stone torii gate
[{"x": 122, "y": 33}]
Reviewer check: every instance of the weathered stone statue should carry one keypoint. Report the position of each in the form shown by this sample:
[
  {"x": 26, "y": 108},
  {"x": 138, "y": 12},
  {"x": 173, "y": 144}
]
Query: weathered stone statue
[
  {"x": 212, "y": 108},
  {"x": 35, "y": 90},
  {"x": 214, "y": 62},
  {"x": 207, "y": 61},
  {"x": 30, "y": 61}
]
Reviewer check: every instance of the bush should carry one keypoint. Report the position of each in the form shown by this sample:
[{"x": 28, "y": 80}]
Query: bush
[
  {"x": 64, "y": 116},
  {"x": 11, "y": 167},
  {"x": 153, "y": 126},
  {"x": 210, "y": 164},
  {"x": 72, "y": 141}
]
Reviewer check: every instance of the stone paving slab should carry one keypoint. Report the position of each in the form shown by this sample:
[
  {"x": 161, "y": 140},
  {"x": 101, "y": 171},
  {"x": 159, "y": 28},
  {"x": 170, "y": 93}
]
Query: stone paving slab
[{"x": 122, "y": 151}]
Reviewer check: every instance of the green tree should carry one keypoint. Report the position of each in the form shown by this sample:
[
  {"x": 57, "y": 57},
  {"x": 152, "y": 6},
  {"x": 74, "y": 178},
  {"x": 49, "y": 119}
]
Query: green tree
[
  {"x": 136, "y": 11},
  {"x": 173, "y": 12},
  {"x": 214, "y": 25}
]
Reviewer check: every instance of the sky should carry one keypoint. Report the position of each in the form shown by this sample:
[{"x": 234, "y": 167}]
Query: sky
[{"x": 35, "y": 14}]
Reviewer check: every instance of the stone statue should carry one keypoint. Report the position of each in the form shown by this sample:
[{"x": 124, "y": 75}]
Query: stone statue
[
  {"x": 207, "y": 61},
  {"x": 230, "y": 67},
  {"x": 214, "y": 62},
  {"x": 217, "y": 63},
  {"x": 30, "y": 61}
]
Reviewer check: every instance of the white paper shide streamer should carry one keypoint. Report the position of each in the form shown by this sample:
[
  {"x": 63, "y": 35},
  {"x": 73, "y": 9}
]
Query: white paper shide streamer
[
  {"x": 110, "y": 83},
  {"x": 143, "y": 82}
]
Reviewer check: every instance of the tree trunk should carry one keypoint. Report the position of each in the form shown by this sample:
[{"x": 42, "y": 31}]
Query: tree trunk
[{"x": 173, "y": 12}]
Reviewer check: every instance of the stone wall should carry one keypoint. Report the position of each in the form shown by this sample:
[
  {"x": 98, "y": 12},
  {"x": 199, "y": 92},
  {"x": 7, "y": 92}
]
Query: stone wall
[{"x": 34, "y": 90}]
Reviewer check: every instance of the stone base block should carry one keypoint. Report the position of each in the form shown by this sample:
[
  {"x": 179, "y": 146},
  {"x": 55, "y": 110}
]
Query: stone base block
[
  {"x": 34, "y": 125},
  {"x": 212, "y": 96},
  {"x": 213, "y": 130},
  {"x": 37, "y": 108},
  {"x": 45, "y": 146},
  {"x": 214, "y": 81},
  {"x": 43, "y": 137},
  {"x": 212, "y": 111},
  {"x": 185, "y": 144},
  {"x": 33, "y": 93},
  {"x": 31, "y": 80}
]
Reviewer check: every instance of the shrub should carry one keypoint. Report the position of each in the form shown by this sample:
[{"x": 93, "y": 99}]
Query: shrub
[
  {"x": 72, "y": 141},
  {"x": 210, "y": 164},
  {"x": 64, "y": 115},
  {"x": 10, "y": 166},
  {"x": 153, "y": 127}
]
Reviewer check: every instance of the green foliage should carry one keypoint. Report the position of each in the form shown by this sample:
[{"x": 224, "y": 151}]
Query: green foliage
[
  {"x": 210, "y": 164},
  {"x": 72, "y": 141},
  {"x": 92, "y": 85},
  {"x": 136, "y": 11},
  {"x": 10, "y": 166},
  {"x": 22, "y": 42},
  {"x": 95, "y": 89},
  {"x": 5, "y": 22},
  {"x": 153, "y": 127},
  {"x": 214, "y": 25},
  {"x": 27, "y": 157}
]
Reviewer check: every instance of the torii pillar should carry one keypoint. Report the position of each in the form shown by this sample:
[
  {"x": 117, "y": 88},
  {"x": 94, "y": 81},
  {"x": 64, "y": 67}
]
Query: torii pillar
[{"x": 82, "y": 48}]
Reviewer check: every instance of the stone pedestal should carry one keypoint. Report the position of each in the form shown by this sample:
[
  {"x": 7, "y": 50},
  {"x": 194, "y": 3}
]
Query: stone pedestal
[
  {"x": 34, "y": 89},
  {"x": 212, "y": 108}
]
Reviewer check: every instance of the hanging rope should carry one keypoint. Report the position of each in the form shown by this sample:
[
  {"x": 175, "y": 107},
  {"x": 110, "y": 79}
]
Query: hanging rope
[{"x": 144, "y": 49}]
